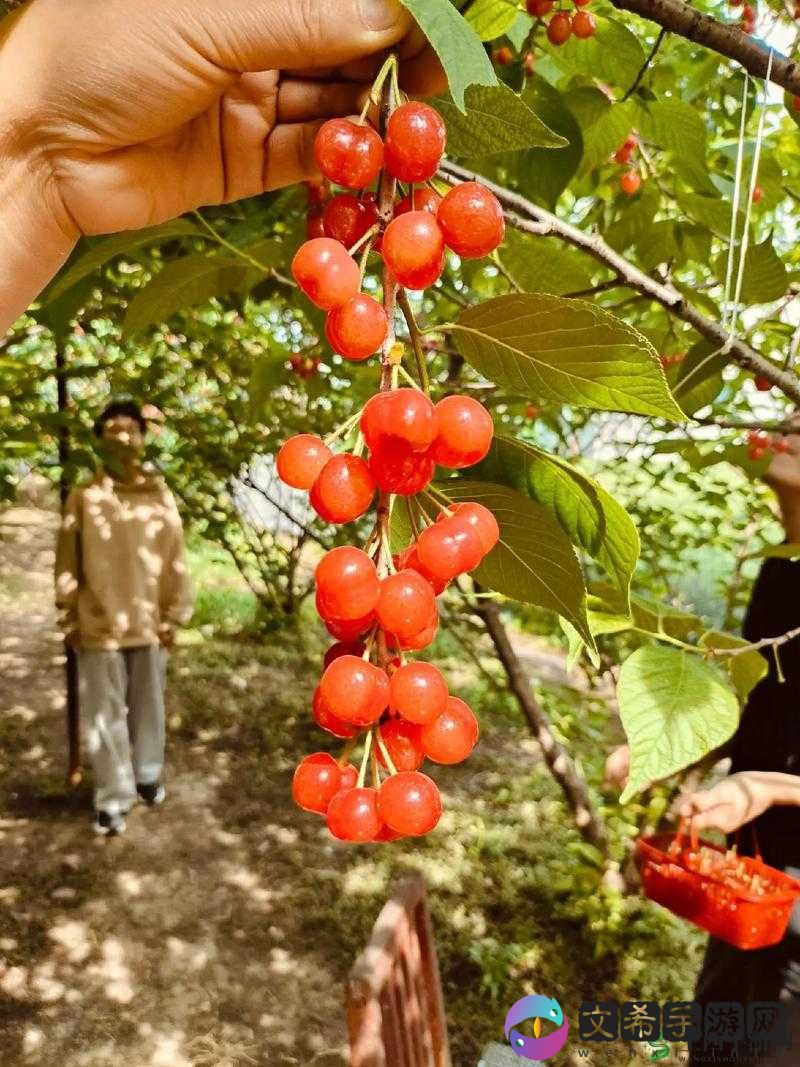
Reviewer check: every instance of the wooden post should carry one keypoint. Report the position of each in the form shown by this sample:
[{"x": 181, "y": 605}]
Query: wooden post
[{"x": 74, "y": 773}]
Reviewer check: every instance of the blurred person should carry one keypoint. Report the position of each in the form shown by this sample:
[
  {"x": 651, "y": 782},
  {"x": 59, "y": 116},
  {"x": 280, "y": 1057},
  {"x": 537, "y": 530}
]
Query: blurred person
[{"x": 122, "y": 588}]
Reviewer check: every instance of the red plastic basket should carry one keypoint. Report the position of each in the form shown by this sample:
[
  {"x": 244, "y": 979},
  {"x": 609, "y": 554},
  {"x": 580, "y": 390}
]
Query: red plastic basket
[{"x": 715, "y": 898}]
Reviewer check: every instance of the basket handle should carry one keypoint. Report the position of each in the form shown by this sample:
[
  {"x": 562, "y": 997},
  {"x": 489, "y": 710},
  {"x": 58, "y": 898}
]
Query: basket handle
[
  {"x": 685, "y": 829},
  {"x": 751, "y": 826}
]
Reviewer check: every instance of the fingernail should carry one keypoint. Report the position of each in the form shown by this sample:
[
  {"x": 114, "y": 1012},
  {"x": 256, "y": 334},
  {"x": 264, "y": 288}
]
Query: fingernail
[{"x": 381, "y": 14}]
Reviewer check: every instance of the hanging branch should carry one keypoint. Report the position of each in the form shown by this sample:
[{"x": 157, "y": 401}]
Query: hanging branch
[
  {"x": 646, "y": 65},
  {"x": 724, "y": 38},
  {"x": 524, "y": 215}
]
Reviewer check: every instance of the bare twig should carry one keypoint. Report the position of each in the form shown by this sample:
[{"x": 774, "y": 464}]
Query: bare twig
[
  {"x": 653, "y": 53},
  {"x": 765, "y": 642}
]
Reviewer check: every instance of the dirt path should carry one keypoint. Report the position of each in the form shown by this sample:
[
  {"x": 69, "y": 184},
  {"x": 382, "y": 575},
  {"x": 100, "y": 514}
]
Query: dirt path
[{"x": 169, "y": 947}]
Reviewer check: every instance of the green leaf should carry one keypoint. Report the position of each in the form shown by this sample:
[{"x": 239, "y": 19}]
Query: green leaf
[
  {"x": 678, "y": 128},
  {"x": 614, "y": 55},
  {"x": 714, "y": 214},
  {"x": 194, "y": 279},
  {"x": 533, "y": 562},
  {"x": 564, "y": 351},
  {"x": 699, "y": 381},
  {"x": 544, "y": 265},
  {"x": 518, "y": 31},
  {"x": 491, "y": 18},
  {"x": 765, "y": 277},
  {"x": 745, "y": 670},
  {"x": 456, "y": 44},
  {"x": 539, "y": 173},
  {"x": 778, "y": 552},
  {"x": 103, "y": 251},
  {"x": 675, "y": 709},
  {"x": 496, "y": 120},
  {"x": 604, "y": 126},
  {"x": 588, "y": 515}
]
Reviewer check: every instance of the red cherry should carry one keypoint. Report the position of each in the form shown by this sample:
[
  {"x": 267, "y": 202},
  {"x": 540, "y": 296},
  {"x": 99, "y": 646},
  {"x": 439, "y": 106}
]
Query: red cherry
[
  {"x": 347, "y": 629},
  {"x": 584, "y": 25},
  {"x": 756, "y": 453},
  {"x": 758, "y": 194},
  {"x": 353, "y": 815},
  {"x": 353, "y": 690},
  {"x": 529, "y": 63},
  {"x": 406, "y": 414},
  {"x": 348, "y": 153},
  {"x": 387, "y": 834},
  {"x": 559, "y": 28},
  {"x": 762, "y": 384},
  {"x": 748, "y": 13},
  {"x": 402, "y": 741},
  {"x": 325, "y": 273},
  {"x": 418, "y": 692},
  {"x": 623, "y": 154},
  {"x": 343, "y": 648},
  {"x": 465, "y": 432},
  {"x": 413, "y": 249},
  {"x": 347, "y": 583},
  {"x": 300, "y": 460},
  {"x": 416, "y": 642},
  {"x": 314, "y": 225},
  {"x": 409, "y": 803},
  {"x": 452, "y": 736},
  {"x": 796, "y": 103},
  {"x": 326, "y": 720},
  {"x": 358, "y": 328},
  {"x": 472, "y": 220},
  {"x": 396, "y": 468},
  {"x": 449, "y": 548},
  {"x": 629, "y": 182},
  {"x": 414, "y": 142},
  {"x": 316, "y": 191},
  {"x": 347, "y": 219},
  {"x": 539, "y": 8},
  {"x": 406, "y": 604},
  {"x": 423, "y": 199},
  {"x": 316, "y": 781},
  {"x": 503, "y": 56},
  {"x": 349, "y": 777},
  {"x": 343, "y": 489},
  {"x": 481, "y": 520},
  {"x": 410, "y": 558}
]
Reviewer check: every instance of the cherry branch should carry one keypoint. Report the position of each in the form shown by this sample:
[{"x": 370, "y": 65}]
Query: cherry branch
[
  {"x": 528, "y": 217},
  {"x": 724, "y": 38},
  {"x": 755, "y": 646}
]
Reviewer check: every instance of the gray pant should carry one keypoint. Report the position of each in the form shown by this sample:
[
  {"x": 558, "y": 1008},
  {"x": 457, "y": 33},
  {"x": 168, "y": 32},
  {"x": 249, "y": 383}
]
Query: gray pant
[{"x": 122, "y": 706}]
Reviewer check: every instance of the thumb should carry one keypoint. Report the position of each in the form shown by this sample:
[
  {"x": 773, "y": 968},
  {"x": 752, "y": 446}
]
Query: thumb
[{"x": 244, "y": 35}]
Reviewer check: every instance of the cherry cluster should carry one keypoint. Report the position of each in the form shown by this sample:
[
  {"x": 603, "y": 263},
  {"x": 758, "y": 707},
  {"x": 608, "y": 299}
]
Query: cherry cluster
[
  {"x": 759, "y": 443},
  {"x": 380, "y": 606},
  {"x": 564, "y": 24},
  {"x": 749, "y": 15},
  {"x": 631, "y": 180}
]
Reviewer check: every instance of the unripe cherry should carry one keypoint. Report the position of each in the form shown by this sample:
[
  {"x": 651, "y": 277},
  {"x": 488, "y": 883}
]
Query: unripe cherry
[
  {"x": 410, "y": 803},
  {"x": 481, "y": 519},
  {"x": 406, "y": 604},
  {"x": 403, "y": 743},
  {"x": 300, "y": 460},
  {"x": 418, "y": 692},
  {"x": 354, "y": 690},
  {"x": 421, "y": 199},
  {"x": 347, "y": 583},
  {"x": 326, "y": 273},
  {"x": 452, "y": 736},
  {"x": 343, "y": 489},
  {"x": 353, "y": 815},
  {"x": 326, "y": 720},
  {"x": 396, "y": 468},
  {"x": 584, "y": 25},
  {"x": 358, "y": 328},
  {"x": 465, "y": 432},
  {"x": 559, "y": 28},
  {"x": 406, "y": 414},
  {"x": 316, "y": 781},
  {"x": 413, "y": 249},
  {"x": 348, "y": 153},
  {"x": 414, "y": 142},
  {"x": 346, "y": 218},
  {"x": 471, "y": 220},
  {"x": 449, "y": 548}
]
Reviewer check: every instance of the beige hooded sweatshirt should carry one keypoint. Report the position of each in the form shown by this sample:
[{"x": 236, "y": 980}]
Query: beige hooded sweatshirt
[{"x": 120, "y": 566}]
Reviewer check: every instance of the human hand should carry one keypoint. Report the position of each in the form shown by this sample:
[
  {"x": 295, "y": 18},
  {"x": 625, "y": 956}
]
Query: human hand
[
  {"x": 135, "y": 113},
  {"x": 732, "y": 802},
  {"x": 166, "y": 635},
  {"x": 618, "y": 768}
]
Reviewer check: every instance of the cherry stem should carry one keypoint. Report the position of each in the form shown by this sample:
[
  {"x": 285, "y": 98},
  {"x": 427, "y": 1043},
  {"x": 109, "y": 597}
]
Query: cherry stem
[
  {"x": 364, "y": 238},
  {"x": 348, "y": 748},
  {"x": 385, "y": 753},
  {"x": 416, "y": 342},
  {"x": 376, "y": 777},
  {"x": 344, "y": 429},
  {"x": 362, "y": 774}
]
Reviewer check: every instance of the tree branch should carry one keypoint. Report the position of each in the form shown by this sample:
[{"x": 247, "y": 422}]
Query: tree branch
[
  {"x": 528, "y": 217},
  {"x": 653, "y": 53},
  {"x": 725, "y": 39}
]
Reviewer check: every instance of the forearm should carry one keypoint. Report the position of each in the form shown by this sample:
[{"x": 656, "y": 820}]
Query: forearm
[{"x": 784, "y": 789}]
